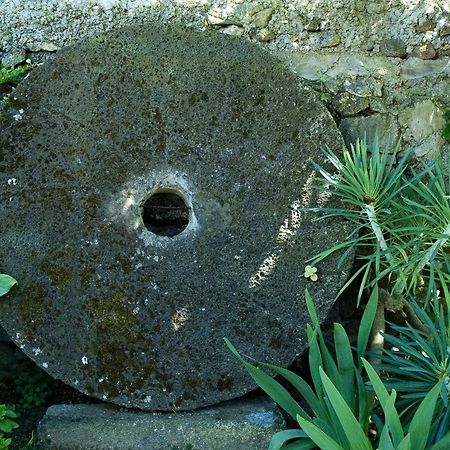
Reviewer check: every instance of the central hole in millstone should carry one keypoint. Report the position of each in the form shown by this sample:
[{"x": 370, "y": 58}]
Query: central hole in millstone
[{"x": 165, "y": 213}]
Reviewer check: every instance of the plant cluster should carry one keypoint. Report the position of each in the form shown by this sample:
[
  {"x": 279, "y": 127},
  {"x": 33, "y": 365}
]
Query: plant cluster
[
  {"x": 12, "y": 75},
  {"x": 349, "y": 404},
  {"x": 401, "y": 219},
  {"x": 33, "y": 385},
  {"x": 7, "y": 424},
  {"x": 401, "y": 238}
]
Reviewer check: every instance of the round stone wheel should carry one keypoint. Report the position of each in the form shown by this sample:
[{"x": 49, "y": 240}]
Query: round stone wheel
[{"x": 152, "y": 180}]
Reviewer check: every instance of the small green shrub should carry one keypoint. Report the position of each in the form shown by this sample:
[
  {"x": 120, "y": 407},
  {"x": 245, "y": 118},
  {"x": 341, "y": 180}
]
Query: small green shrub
[
  {"x": 401, "y": 230},
  {"x": 342, "y": 406},
  {"x": 416, "y": 361},
  {"x": 13, "y": 74},
  {"x": 32, "y": 385},
  {"x": 7, "y": 424},
  {"x": 339, "y": 370}
]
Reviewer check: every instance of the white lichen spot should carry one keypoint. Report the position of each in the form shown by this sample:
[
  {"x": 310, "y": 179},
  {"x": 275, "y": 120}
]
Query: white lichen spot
[
  {"x": 179, "y": 318},
  {"x": 12, "y": 181},
  {"x": 136, "y": 310},
  {"x": 148, "y": 399},
  {"x": 76, "y": 382},
  {"x": 84, "y": 360},
  {"x": 45, "y": 365},
  {"x": 37, "y": 351},
  {"x": 18, "y": 116},
  {"x": 104, "y": 397}
]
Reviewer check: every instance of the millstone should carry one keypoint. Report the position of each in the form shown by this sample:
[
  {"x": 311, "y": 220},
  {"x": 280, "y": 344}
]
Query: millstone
[{"x": 151, "y": 185}]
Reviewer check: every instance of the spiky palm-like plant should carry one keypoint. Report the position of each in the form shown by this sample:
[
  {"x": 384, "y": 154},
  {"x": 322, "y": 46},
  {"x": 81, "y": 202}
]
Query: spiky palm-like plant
[{"x": 401, "y": 223}]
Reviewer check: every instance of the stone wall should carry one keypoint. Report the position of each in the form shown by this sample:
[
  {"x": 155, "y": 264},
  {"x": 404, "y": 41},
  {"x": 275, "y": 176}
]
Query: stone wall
[{"x": 381, "y": 64}]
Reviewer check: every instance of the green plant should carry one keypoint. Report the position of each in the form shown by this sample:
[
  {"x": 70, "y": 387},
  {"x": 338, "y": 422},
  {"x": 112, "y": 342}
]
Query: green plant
[
  {"x": 339, "y": 369},
  {"x": 32, "y": 384},
  {"x": 341, "y": 403},
  {"x": 6, "y": 283},
  {"x": 13, "y": 74},
  {"x": 402, "y": 225},
  {"x": 418, "y": 361},
  {"x": 7, "y": 424}
]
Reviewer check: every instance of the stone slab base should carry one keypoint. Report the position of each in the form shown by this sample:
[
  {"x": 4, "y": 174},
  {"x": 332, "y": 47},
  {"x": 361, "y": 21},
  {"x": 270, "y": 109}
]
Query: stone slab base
[{"x": 237, "y": 425}]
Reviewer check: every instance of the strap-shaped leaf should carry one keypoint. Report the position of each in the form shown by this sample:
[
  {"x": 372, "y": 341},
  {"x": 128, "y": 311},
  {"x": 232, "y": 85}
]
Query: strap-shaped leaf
[
  {"x": 271, "y": 387},
  {"x": 383, "y": 397},
  {"x": 419, "y": 428},
  {"x": 367, "y": 322},
  {"x": 321, "y": 439},
  {"x": 352, "y": 429},
  {"x": 279, "y": 440}
]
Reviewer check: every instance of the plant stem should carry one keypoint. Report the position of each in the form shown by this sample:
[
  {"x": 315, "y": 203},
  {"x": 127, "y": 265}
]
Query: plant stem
[
  {"x": 429, "y": 254},
  {"x": 372, "y": 216}
]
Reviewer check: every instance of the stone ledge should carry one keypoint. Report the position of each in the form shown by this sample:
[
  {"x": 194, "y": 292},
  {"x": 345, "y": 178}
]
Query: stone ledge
[{"x": 237, "y": 425}]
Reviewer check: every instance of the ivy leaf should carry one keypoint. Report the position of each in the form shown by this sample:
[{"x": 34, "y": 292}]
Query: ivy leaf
[{"x": 6, "y": 283}]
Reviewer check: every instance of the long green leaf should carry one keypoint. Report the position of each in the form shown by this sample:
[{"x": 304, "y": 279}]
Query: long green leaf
[
  {"x": 383, "y": 397},
  {"x": 443, "y": 444},
  {"x": 365, "y": 327},
  {"x": 279, "y": 439},
  {"x": 271, "y": 387},
  {"x": 352, "y": 429},
  {"x": 345, "y": 363},
  {"x": 321, "y": 439},
  {"x": 419, "y": 428}
]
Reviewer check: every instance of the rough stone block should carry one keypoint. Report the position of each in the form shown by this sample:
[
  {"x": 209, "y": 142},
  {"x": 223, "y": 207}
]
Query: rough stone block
[
  {"x": 385, "y": 125},
  {"x": 152, "y": 185},
  {"x": 239, "y": 425}
]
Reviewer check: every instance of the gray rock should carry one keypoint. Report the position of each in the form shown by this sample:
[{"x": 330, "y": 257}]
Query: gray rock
[
  {"x": 393, "y": 47},
  {"x": 385, "y": 125},
  {"x": 263, "y": 35},
  {"x": 364, "y": 87},
  {"x": 444, "y": 50},
  {"x": 313, "y": 24},
  {"x": 422, "y": 125},
  {"x": 426, "y": 26},
  {"x": 14, "y": 59},
  {"x": 349, "y": 105},
  {"x": 233, "y": 30},
  {"x": 158, "y": 176},
  {"x": 243, "y": 425},
  {"x": 414, "y": 68},
  {"x": 262, "y": 18},
  {"x": 445, "y": 30},
  {"x": 329, "y": 39},
  {"x": 43, "y": 47},
  {"x": 424, "y": 51}
]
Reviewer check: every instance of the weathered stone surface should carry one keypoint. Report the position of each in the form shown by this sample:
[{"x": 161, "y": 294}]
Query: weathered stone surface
[
  {"x": 414, "y": 68},
  {"x": 353, "y": 128},
  {"x": 107, "y": 305},
  {"x": 262, "y": 18},
  {"x": 349, "y": 105},
  {"x": 393, "y": 48},
  {"x": 238, "y": 425},
  {"x": 13, "y": 59},
  {"x": 424, "y": 51},
  {"x": 423, "y": 124}
]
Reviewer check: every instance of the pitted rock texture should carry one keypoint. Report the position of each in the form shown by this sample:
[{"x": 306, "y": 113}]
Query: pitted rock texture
[{"x": 103, "y": 303}]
